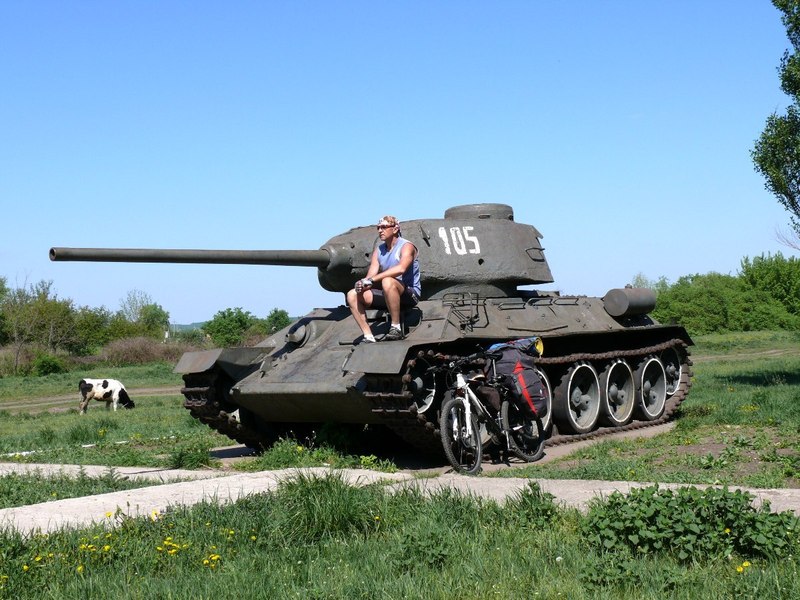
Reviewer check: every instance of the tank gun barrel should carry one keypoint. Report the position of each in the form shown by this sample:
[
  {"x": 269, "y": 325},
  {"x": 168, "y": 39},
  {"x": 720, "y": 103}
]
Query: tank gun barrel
[{"x": 295, "y": 258}]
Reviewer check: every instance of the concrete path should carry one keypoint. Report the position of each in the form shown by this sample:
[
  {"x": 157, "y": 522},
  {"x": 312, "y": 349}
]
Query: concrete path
[{"x": 226, "y": 487}]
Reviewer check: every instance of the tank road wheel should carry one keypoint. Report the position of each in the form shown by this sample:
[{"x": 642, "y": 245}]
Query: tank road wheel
[
  {"x": 617, "y": 393},
  {"x": 462, "y": 449},
  {"x": 577, "y": 399},
  {"x": 672, "y": 368},
  {"x": 651, "y": 384},
  {"x": 547, "y": 420},
  {"x": 526, "y": 436}
]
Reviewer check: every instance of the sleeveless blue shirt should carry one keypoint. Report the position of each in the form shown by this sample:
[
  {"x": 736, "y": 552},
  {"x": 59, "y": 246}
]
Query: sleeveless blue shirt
[{"x": 390, "y": 258}]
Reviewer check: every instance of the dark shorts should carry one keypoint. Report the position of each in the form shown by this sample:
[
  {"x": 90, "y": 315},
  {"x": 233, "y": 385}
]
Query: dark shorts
[{"x": 407, "y": 299}]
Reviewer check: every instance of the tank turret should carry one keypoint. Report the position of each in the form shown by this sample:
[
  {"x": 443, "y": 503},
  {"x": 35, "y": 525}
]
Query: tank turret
[
  {"x": 476, "y": 248},
  {"x": 608, "y": 365}
]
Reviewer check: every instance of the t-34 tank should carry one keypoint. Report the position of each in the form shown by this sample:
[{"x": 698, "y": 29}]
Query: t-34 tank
[{"x": 606, "y": 363}]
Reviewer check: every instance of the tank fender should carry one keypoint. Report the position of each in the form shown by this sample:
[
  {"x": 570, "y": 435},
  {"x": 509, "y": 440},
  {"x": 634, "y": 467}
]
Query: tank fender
[
  {"x": 236, "y": 362},
  {"x": 624, "y": 302}
]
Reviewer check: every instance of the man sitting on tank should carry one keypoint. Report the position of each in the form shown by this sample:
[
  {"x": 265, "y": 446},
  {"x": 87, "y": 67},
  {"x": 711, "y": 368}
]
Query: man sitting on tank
[{"x": 392, "y": 281}]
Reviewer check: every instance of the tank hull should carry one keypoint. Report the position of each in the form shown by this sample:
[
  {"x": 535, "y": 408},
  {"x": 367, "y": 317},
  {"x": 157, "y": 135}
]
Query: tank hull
[{"x": 316, "y": 370}]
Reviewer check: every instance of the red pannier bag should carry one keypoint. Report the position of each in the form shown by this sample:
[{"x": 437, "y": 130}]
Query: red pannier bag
[{"x": 516, "y": 363}]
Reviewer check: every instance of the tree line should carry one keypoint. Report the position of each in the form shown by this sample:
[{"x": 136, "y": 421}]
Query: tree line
[
  {"x": 763, "y": 296},
  {"x": 37, "y": 326}
]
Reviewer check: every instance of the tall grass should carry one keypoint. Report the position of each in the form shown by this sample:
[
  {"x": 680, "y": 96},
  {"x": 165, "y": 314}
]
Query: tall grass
[{"x": 320, "y": 538}]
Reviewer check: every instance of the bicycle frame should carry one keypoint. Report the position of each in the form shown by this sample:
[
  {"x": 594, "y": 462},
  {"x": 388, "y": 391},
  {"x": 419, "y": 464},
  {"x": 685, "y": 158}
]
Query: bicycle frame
[{"x": 471, "y": 401}]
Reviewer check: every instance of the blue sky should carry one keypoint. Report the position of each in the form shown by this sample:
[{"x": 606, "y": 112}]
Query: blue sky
[{"x": 620, "y": 129}]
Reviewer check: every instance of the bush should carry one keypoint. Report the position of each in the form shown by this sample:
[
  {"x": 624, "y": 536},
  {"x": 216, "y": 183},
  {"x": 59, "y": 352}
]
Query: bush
[
  {"x": 715, "y": 303},
  {"x": 47, "y": 364},
  {"x": 141, "y": 350},
  {"x": 690, "y": 524}
]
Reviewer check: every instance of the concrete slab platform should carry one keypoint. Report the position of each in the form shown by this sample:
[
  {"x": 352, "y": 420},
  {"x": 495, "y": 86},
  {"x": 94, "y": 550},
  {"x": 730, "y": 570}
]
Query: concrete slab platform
[{"x": 224, "y": 487}]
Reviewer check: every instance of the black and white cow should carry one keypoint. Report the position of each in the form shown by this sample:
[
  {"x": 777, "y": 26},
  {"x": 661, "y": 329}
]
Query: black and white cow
[{"x": 109, "y": 390}]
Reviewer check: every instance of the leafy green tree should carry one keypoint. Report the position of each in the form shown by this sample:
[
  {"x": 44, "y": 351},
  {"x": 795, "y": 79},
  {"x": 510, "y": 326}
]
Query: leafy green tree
[
  {"x": 154, "y": 320},
  {"x": 3, "y": 293},
  {"x": 228, "y": 327},
  {"x": 91, "y": 329},
  {"x": 776, "y": 275},
  {"x": 276, "y": 320},
  {"x": 717, "y": 303},
  {"x": 777, "y": 151},
  {"x": 149, "y": 319},
  {"x": 120, "y": 327},
  {"x": 641, "y": 281},
  {"x": 34, "y": 316},
  {"x": 132, "y": 304}
]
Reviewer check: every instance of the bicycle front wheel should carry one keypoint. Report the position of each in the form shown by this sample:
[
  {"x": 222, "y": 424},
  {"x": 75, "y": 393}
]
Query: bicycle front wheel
[
  {"x": 526, "y": 435},
  {"x": 462, "y": 448}
]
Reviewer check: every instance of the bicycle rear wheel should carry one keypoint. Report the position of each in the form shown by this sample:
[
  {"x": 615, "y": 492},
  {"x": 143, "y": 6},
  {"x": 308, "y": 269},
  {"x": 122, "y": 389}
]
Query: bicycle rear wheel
[
  {"x": 462, "y": 449},
  {"x": 526, "y": 435}
]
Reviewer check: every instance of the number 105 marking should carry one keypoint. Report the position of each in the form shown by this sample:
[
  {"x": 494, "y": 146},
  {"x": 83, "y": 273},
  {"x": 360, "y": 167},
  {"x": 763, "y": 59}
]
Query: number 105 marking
[{"x": 460, "y": 237}]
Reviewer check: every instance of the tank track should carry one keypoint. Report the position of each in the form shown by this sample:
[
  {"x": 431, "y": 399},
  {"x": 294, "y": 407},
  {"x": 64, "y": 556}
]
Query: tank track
[
  {"x": 201, "y": 399},
  {"x": 416, "y": 429},
  {"x": 398, "y": 412}
]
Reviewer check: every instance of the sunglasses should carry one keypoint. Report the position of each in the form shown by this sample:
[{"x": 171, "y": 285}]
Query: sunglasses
[{"x": 384, "y": 227}]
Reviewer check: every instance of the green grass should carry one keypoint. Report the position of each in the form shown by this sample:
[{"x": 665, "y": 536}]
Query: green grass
[
  {"x": 320, "y": 538},
  {"x": 159, "y": 432},
  {"x": 739, "y": 425},
  {"x": 151, "y": 375},
  {"x": 33, "y": 488},
  {"x": 720, "y": 344}
]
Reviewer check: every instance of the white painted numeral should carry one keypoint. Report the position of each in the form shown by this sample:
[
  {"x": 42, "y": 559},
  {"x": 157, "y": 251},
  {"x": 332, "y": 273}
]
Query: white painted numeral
[{"x": 460, "y": 237}]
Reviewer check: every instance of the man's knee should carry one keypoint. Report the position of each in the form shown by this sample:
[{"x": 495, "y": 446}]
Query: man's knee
[{"x": 391, "y": 286}]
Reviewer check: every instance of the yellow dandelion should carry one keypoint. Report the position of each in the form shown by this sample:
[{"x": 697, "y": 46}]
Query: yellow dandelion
[
  {"x": 231, "y": 532},
  {"x": 377, "y": 517},
  {"x": 159, "y": 548},
  {"x": 106, "y": 548},
  {"x": 38, "y": 558},
  {"x": 727, "y": 530},
  {"x": 206, "y": 562},
  {"x": 109, "y": 514},
  {"x": 79, "y": 569},
  {"x": 746, "y": 563},
  {"x": 739, "y": 569},
  {"x": 214, "y": 557},
  {"x": 172, "y": 551},
  {"x": 25, "y": 567},
  {"x": 253, "y": 538}
]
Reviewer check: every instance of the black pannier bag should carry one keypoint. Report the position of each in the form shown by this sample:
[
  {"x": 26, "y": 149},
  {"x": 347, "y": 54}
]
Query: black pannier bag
[{"x": 516, "y": 363}]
